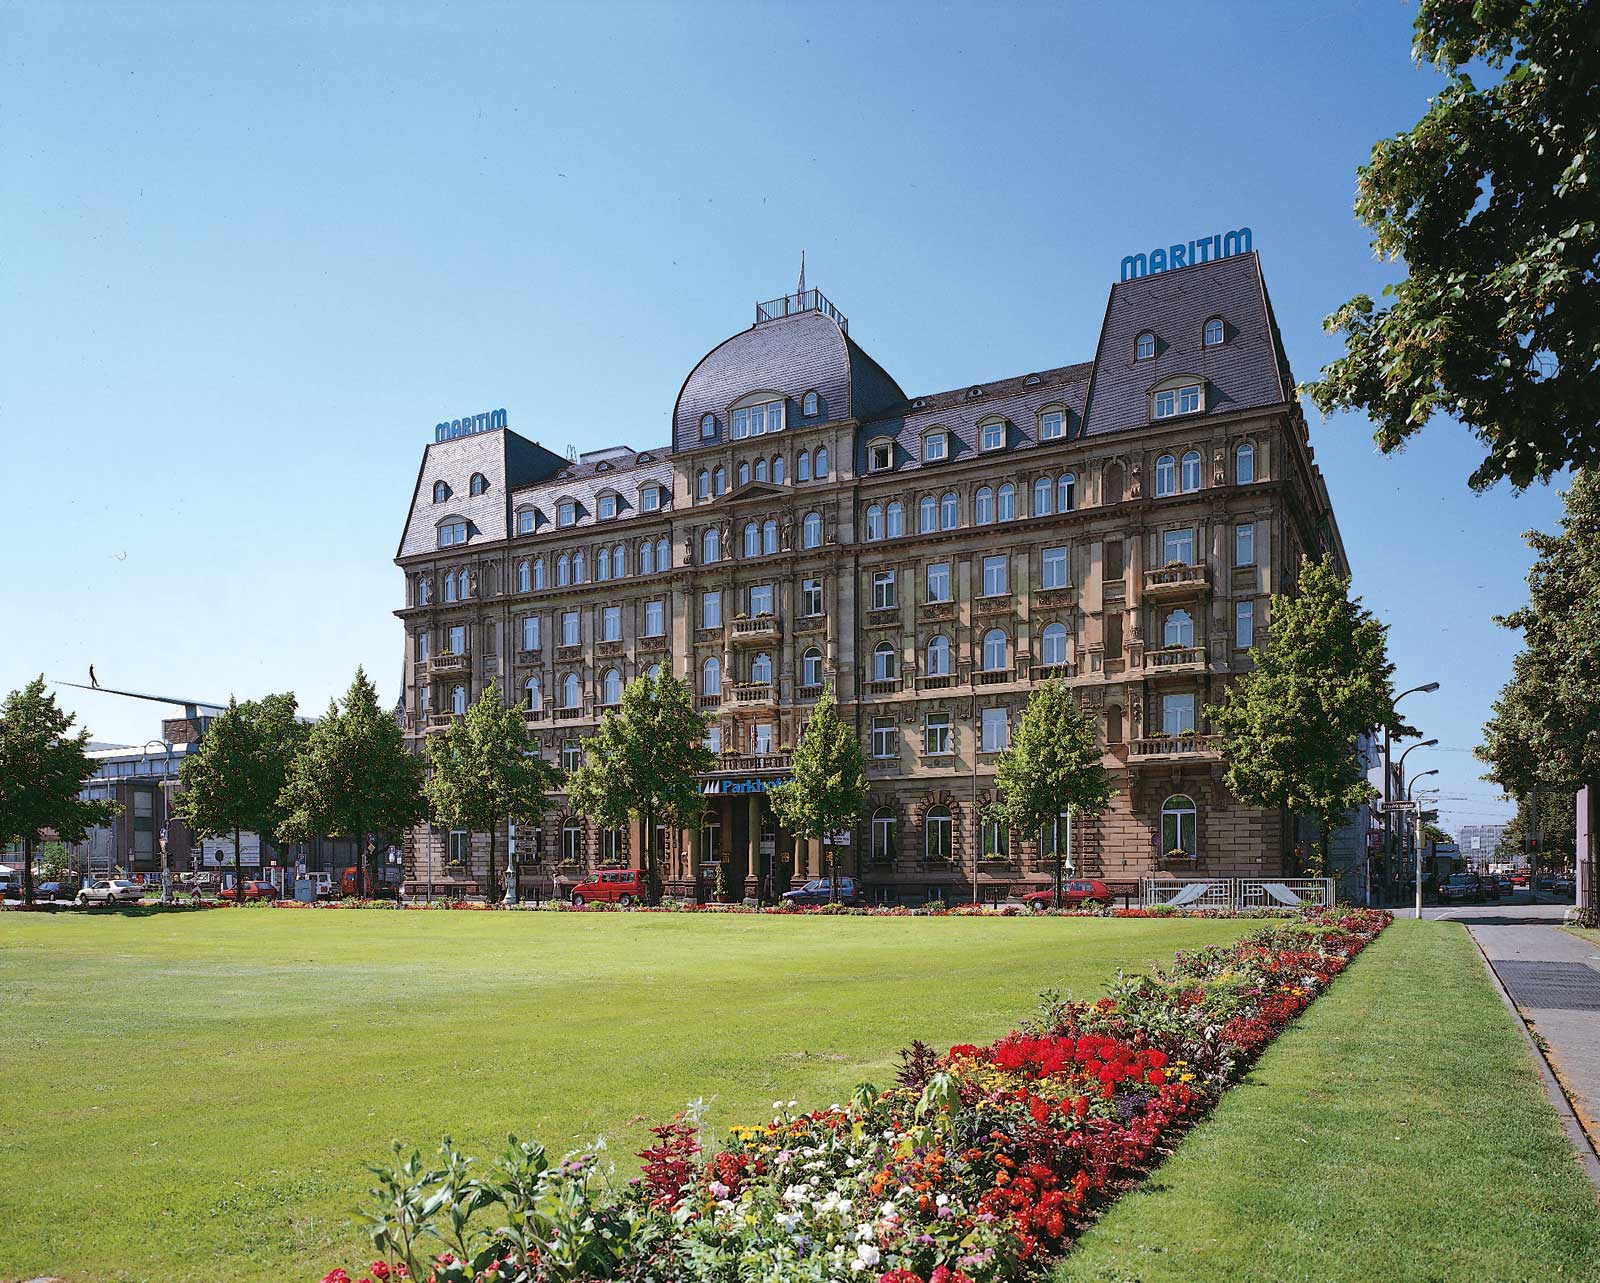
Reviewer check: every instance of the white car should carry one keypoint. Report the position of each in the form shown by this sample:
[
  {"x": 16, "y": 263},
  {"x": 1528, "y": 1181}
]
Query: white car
[{"x": 111, "y": 891}]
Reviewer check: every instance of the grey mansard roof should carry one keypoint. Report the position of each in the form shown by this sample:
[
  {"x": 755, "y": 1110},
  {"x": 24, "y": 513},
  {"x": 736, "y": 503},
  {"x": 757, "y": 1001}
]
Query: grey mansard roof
[
  {"x": 507, "y": 462},
  {"x": 618, "y": 468}
]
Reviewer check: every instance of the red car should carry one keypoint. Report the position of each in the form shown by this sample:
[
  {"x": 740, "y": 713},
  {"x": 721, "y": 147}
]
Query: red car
[
  {"x": 1078, "y": 892},
  {"x": 252, "y": 891},
  {"x": 613, "y": 886}
]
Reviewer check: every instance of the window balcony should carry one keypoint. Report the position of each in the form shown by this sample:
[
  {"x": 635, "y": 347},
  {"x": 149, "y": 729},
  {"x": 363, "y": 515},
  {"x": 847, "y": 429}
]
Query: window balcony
[
  {"x": 525, "y": 656},
  {"x": 568, "y": 714},
  {"x": 708, "y": 702},
  {"x": 883, "y": 686},
  {"x": 989, "y": 607},
  {"x": 608, "y": 649},
  {"x": 448, "y": 663},
  {"x": 746, "y": 693},
  {"x": 439, "y": 722},
  {"x": 1052, "y": 598},
  {"x": 1176, "y": 581},
  {"x": 993, "y": 677},
  {"x": 568, "y": 654},
  {"x": 749, "y": 632},
  {"x": 805, "y": 692},
  {"x": 936, "y": 612},
  {"x": 1044, "y": 672},
  {"x": 1175, "y": 659},
  {"x": 534, "y": 715},
  {"x": 752, "y": 763},
  {"x": 1174, "y": 748},
  {"x": 882, "y": 617},
  {"x": 936, "y": 682}
]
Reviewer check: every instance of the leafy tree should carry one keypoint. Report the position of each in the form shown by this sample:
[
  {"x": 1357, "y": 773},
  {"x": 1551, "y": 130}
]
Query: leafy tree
[
  {"x": 1051, "y": 768},
  {"x": 485, "y": 771},
  {"x": 828, "y": 787},
  {"x": 1289, "y": 725},
  {"x": 227, "y": 782},
  {"x": 1558, "y": 828},
  {"x": 1492, "y": 200},
  {"x": 644, "y": 764},
  {"x": 353, "y": 776},
  {"x": 281, "y": 734},
  {"x": 43, "y": 769}
]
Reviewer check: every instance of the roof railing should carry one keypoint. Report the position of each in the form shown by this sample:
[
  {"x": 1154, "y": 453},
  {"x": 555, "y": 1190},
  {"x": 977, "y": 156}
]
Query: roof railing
[{"x": 801, "y": 301}]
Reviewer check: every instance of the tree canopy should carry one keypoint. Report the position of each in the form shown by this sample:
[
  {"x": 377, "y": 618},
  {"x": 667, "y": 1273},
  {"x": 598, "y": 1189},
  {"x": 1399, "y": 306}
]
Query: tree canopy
[
  {"x": 229, "y": 782},
  {"x": 828, "y": 784},
  {"x": 1492, "y": 201},
  {"x": 1289, "y": 725},
  {"x": 644, "y": 764},
  {"x": 43, "y": 770},
  {"x": 485, "y": 771}
]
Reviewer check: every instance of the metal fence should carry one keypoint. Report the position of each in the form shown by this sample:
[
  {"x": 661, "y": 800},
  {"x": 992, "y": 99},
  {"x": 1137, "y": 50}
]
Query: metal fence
[{"x": 1236, "y": 893}]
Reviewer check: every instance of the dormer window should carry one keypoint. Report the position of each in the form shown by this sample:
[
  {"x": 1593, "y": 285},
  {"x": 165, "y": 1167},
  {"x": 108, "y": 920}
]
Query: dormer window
[
  {"x": 809, "y": 405},
  {"x": 452, "y": 533},
  {"x": 708, "y": 427},
  {"x": 1215, "y": 332},
  {"x": 1052, "y": 425},
  {"x": 566, "y": 513},
  {"x": 757, "y": 420},
  {"x": 525, "y": 521},
  {"x": 935, "y": 447},
  {"x": 1144, "y": 347},
  {"x": 441, "y": 492},
  {"x": 479, "y": 483},
  {"x": 991, "y": 434},
  {"x": 650, "y": 499},
  {"x": 607, "y": 506},
  {"x": 1169, "y": 403},
  {"x": 880, "y": 455}
]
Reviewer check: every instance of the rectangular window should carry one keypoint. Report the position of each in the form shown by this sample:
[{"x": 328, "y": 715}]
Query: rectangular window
[
  {"x": 937, "y": 739},
  {"x": 1112, "y": 560},
  {"x": 996, "y": 730},
  {"x": 655, "y": 618},
  {"x": 1177, "y": 714},
  {"x": 761, "y": 737},
  {"x": 741, "y": 424},
  {"x": 934, "y": 447},
  {"x": 938, "y": 581},
  {"x": 569, "y": 628},
  {"x": 1166, "y": 404},
  {"x": 611, "y": 623},
  {"x": 458, "y": 639},
  {"x": 992, "y": 435},
  {"x": 1053, "y": 568},
  {"x": 566, "y": 513},
  {"x": 880, "y": 457},
  {"x": 608, "y": 506},
  {"x": 811, "y": 597},
  {"x": 1244, "y": 624},
  {"x": 460, "y": 846},
  {"x": 760, "y": 600},
  {"x": 1189, "y": 399},
  {"x": 525, "y": 522},
  {"x": 1050, "y": 425},
  {"x": 1177, "y": 546},
  {"x": 994, "y": 577},
  {"x": 530, "y": 632},
  {"x": 422, "y": 648},
  {"x": 711, "y": 609},
  {"x": 650, "y": 498},
  {"x": 1244, "y": 544},
  {"x": 883, "y": 736},
  {"x": 883, "y": 590},
  {"x": 714, "y": 738}
]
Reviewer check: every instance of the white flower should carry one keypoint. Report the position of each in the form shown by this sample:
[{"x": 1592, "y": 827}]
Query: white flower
[
  {"x": 793, "y": 1103},
  {"x": 867, "y": 1254},
  {"x": 942, "y": 1199}
]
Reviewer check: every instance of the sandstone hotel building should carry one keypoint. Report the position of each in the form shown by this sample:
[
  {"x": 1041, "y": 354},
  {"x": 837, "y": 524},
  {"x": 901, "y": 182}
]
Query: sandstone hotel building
[{"x": 1119, "y": 522}]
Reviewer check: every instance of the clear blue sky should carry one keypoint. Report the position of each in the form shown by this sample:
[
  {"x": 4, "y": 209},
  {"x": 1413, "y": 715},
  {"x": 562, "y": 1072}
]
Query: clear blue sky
[{"x": 252, "y": 253}]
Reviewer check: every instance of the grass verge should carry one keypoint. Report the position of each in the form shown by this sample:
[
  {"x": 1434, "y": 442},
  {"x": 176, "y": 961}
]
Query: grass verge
[{"x": 1398, "y": 1130}]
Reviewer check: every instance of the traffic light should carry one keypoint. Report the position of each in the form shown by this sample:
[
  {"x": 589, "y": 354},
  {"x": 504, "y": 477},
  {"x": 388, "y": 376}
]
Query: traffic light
[{"x": 1533, "y": 845}]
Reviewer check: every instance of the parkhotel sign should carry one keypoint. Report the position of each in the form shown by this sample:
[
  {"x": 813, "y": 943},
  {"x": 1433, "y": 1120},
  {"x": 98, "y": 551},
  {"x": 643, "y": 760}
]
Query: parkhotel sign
[
  {"x": 1163, "y": 258},
  {"x": 470, "y": 424}
]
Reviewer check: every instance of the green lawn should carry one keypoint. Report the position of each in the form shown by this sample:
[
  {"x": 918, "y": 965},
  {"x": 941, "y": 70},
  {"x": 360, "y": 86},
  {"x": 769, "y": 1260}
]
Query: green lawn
[
  {"x": 192, "y": 1097},
  {"x": 1397, "y": 1131},
  {"x": 1588, "y": 934}
]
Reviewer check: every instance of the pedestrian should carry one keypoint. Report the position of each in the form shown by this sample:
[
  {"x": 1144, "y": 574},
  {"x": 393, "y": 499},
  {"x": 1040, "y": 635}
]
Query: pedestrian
[{"x": 768, "y": 895}]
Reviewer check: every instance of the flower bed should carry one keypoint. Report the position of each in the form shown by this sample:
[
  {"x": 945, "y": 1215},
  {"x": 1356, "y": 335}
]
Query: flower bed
[
  {"x": 978, "y": 1166},
  {"x": 782, "y": 911}
]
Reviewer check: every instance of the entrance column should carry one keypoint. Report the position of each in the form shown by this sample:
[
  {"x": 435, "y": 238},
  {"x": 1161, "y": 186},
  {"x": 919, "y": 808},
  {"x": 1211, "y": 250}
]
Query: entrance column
[
  {"x": 694, "y": 861},
  {"x": 752, "y": 877}
]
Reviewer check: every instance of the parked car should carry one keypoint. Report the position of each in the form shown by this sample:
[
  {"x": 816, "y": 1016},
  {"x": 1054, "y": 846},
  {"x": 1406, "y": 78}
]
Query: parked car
[
  {"x": 1079, "y": 891},
  {"x": 613, "y": 886},
  {"x": 252, "y": 891},
  {"x": 57, "y": 890},
  {"x": 111, "y": 891},
  {"x": 1460, "y": 888},
  {"x": 1564, "y": 885},
  {"x": 1507, "y": 886},
  {"x": 820, "y": 891},
  {"x": 1490, "y": 886}
]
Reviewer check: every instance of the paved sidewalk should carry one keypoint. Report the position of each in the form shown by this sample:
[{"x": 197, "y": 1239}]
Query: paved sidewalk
[{"x": 1554, "y": 978}]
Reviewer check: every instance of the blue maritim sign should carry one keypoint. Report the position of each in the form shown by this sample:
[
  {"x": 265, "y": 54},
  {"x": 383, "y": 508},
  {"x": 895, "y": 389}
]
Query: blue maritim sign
[
  {"x": 469, "y": 424},
  {"x": 1163, "y": 258}
]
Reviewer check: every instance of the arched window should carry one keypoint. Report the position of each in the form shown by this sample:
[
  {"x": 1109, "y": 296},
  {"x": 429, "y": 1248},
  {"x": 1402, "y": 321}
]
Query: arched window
[
  {"x": 578, "y": 575},
  {"x": 1166, "y": 476},
  {"x": 619, "y": 561},
  {"x": 719, "y": 480},
  {"x": 1111, "y": 483},
  {"x": 647, "y": 560},
  {"x": 1007, "y": 506},
  {"x": 450, "y": 586},
  {"x": 702, "y": 484},
  {"x": 1178, "y": 827},
  {"x": 602, "y": 564},
  {"x": 524, "y": 577},
  {"x": 1042, "y": 489},
  {"x": 570, "y": 692},
  {"x": 883, "y": 834},
  {"x": 1067, "y": 492},
  {"x": 563, "y": 570},
  {"x": 769, "y": 537},
  {"x": 711, "y": 676},
  {"x": 927, "y": 514},
  {"x": 744, "y": 472},
  {"x": 996, "y": 840},
  {"x": 949, "y": 513},
  {"x": 611, "y": 687},
  {"x": 1191, "y": 470},
  {"x": 752, "y": 539},
  {"x": 538, "y": 572},
  {"x": 1178, "y": 630},
  {"x": 761, "y": 469},
  {"x": 822, "y": 462},
  {"x": 811, "y": 530},
  {"x": 761, "y": 668},
  {"x": 994, "y": 650},
  {"x": 875, "y": 521},
  {"x": 479, "y": 484},
  {"x": 802, "y": 466},
  {"x": 983, "y": 507},
  {"x": 895, "y": 520},
  {"x": 938, "y": 663},
  {"x": 1214, "y": 332},
  {"x": 710, "y": 545},
  {"x": 458, "y": 700},
  {"x": 663, "y": 556},
  {"x": 1053, "y": 644},
  {"x": 572, "y": 841},
  {"x": 708, "y": 426},
  {"x": 777, "y": 469},
  {"x": 1244, "y": 464},
  {"x": 1144, "y": 347},
  {"x": 808, "y": 406},
  {"x": 424, "y": 591},
  {"x": 441, "y": 492},
  {"x": 653, "y": 674},
  {"x": 530, "y": 693},
  {"x": 811, "y": 668},
  {"x": 937, "y": 834},
  {"x": 885, "y": 664}
]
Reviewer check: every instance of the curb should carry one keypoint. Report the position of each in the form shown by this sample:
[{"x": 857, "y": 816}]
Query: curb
[{"x": 1588, "y": 1158}]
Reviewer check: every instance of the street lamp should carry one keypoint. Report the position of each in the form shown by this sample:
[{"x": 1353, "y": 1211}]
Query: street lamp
[
  {"x": 1409, "y": 787},
  {"x": 166, "y": 814},
  {"x": 1426, "y": 688}
]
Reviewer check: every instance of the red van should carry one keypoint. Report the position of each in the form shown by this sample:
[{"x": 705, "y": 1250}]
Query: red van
[{"x": 613, "y": 886}]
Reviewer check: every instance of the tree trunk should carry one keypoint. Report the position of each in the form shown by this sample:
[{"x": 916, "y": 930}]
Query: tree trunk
[
  {"x": 27, "y": 870},
  {"x": 833, "y": 872},
  {"x": 652, "y": 876},
  {"x": 489, "y": 891},
  {"x": 238, "y": 867}
]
